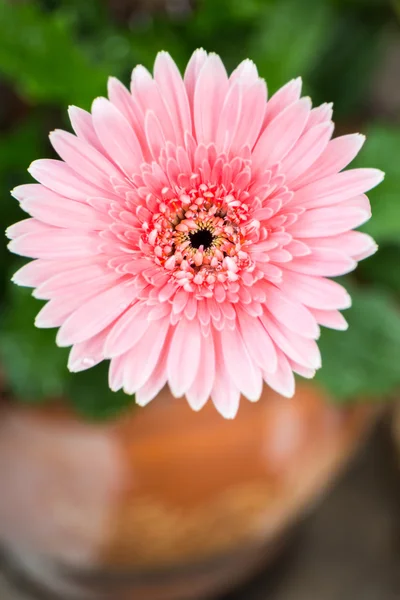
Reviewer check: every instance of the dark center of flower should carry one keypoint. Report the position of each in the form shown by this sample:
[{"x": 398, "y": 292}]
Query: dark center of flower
[{"x": 201, "y": 237}]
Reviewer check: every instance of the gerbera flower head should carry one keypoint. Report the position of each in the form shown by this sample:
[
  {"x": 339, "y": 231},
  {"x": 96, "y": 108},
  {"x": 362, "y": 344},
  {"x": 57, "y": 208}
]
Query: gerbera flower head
[{"x": 188, "y": 232}]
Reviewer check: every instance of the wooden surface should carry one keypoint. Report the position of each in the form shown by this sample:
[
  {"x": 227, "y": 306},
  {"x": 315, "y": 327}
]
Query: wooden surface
[{"x": 349, "y": 549}]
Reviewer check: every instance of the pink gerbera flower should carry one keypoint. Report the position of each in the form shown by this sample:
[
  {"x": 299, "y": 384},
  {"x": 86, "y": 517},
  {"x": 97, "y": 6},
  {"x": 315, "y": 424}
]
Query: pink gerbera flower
[{"x": 189, "y": 230}]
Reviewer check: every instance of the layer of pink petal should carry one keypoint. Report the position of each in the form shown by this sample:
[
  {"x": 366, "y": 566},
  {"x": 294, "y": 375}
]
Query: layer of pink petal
[{"x": 206, "y": 346}]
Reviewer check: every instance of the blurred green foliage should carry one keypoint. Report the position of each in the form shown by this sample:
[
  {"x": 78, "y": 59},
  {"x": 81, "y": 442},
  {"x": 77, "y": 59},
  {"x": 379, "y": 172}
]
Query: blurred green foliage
[
  {"x": 39, "y": 55},
  {"x": 37, "y": 370},
  {"x": 382, "y": 150},
  {"x": 363, "y": 362},
  {"x": 27, "y": 354},
  {"x": 59, "y": 52}
]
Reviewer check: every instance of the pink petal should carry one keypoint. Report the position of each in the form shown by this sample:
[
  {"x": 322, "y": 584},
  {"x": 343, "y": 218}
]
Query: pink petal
[
  {"x": 337, "y": 155},
  {"x": 210, "y": 93},
  {"x": 308, "y": 148},
  {"x": 330, "y": 318},
  {"x": 59, "y": 243},
  {"x": 323, "y": 261},
  {"x": 56, "y": 210},
  {"x": 87, "y": 354},
  {"x": 282, "y": 380},
  {"x": 154, "y": 135},
  {"x": 251, "y": 117},
  {"x": 36, "y": 272},
  {"x": 300, "y": 349},
  {"x": 295, "y": 316},
  {"x": 87, "y": 288},
  {"x": 27, "y": 226},
  {"x": 281, "y": 134},
  {"x": 297, "y": 248},
  {"x": 63, "y": 281},
  {"x": 82, "y": 123},
  {"x": 337, "y": 188},
  {"x": 96, "y": 314},
  {"x": 361, "y": 202},
  {"x": 127, "y": 331},
  {"x": 184, "y": 356},
  {"x": 139, "y": 366},
  {"x": 116, "y": 136},
  {"x": 229, "y": 119},
  {"x": 358, "y": 245},
  {"x": 318, "y": 115},
  {"x": 257, "y": 341},
  {"x": 283, "y": 98},
  {"x": 147, "y": 95},
  {"x": 315, "y": 292},
  {"x": 85, "y": 160},
  {"x": 193, "y": 69},
  {"x": 200, "y": 390},
  {"x": 116, "y": 373},
  {"x": 245, "y": 375},
  {"x": 59, "y": 177},
  {"x": 353, "y": 246},
  {"x": 300, "y": 370},
  {"x": 158, "y": 378},
  {"x": 225, "y": 394},
  {"x": 123, "y": 101},
  {"x": 328, "y": 221},
  {"x": 169, "y": 80},
  {"x": 56, "y": 311},
  {"x": 245, "y": 73}
]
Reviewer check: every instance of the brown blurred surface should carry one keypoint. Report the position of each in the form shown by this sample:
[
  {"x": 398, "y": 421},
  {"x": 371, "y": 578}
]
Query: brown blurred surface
[
  {"x": 165, "y": 486},
  {"x": 349, "y": 549}
]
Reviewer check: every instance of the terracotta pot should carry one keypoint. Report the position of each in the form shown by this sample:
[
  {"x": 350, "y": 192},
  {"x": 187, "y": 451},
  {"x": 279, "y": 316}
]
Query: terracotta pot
[{"x": 165, "y": 504}]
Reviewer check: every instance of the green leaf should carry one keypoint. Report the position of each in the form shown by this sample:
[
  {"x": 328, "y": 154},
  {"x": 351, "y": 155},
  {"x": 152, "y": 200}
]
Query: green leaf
[
  {"x": 89, "y": 393},
  {"x": 39, "y": 54},
  {"x": 381, "y": 150},
  {"x": 383, "y": 269},
  {"x": 363, "y": 362},
  {"x": 34, "y": 368},
  {"x": 289, "y": 39},
  {"x": 17, "y": 150},
  {"x": 354, "y": 45}
]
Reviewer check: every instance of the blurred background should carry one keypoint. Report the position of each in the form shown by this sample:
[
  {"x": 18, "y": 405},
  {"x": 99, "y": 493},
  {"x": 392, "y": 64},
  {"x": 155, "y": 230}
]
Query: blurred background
[{"x": 54, "y": 53}]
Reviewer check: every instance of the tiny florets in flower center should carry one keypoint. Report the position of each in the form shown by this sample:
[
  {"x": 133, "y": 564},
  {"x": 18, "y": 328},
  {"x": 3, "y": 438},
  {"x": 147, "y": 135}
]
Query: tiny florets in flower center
[
  {"x": 201, "y": 238},
  {"x": 200, "y": 235}
]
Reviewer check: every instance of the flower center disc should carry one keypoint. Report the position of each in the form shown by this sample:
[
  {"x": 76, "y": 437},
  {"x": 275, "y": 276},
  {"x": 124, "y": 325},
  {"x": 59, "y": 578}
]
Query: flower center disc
[{"x": 201, "y": 237}]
